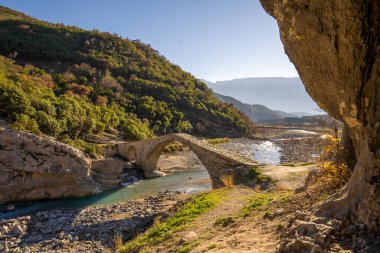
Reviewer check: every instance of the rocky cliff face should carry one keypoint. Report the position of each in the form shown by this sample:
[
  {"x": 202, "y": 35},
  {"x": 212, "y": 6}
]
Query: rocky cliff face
[
  {"x": 335, "y": 48},
  {"x": 34, "y": 167}
]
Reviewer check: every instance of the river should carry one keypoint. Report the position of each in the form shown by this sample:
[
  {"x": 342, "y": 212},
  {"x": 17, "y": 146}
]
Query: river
[{"x": 191, "y": 180}]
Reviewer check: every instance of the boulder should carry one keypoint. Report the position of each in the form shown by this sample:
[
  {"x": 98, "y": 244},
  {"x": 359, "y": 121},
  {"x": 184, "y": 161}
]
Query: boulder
[
  {"x": 189, "y": 236},
  {"x": 109, "y": 166},
  {"x": 306, "y": 228},
  {"x": 38, "y": 167},
  {"x": 10, "y": 207}
]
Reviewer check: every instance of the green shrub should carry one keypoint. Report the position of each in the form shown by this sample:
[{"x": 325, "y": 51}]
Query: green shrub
[
  {"x": 47, "y": 124},
  {"x": 24, "y": 122},
  {"x": 224, "y": 222},
  {"x": 13, "y": 100},
  {"x": 136, "y": 129}
]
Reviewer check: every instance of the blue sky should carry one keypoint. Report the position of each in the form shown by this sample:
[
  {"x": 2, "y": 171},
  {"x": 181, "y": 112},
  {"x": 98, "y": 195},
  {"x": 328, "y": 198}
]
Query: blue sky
[{"x": 212, "y": 39}]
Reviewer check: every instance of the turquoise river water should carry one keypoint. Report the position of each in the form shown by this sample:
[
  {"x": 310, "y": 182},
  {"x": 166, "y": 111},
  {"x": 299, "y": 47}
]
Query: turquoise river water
[{"x": 191, "y": 180}]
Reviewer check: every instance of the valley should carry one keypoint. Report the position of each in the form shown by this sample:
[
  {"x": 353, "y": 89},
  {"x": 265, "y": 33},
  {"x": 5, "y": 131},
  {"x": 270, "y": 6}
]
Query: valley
[
  {"x": 123, "y": 211},
  {"x": 108, "y": 146}
]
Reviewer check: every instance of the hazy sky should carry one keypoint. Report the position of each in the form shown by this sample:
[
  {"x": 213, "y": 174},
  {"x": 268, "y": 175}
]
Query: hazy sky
[{"x": 212, "y": 39}]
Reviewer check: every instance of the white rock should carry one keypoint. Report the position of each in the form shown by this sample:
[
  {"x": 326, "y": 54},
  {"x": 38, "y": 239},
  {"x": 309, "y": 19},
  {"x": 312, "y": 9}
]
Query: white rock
[
  {"x": 280, "y": 211},
  {"x": 190, "y": 236}
]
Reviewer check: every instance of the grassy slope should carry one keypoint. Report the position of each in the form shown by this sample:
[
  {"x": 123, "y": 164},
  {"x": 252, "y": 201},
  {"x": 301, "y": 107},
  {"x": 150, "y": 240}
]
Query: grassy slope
[
  {"x": 213, "y": 216},
  {"x": 179, "y": 221},
  {"x": 235, "y": 219}
]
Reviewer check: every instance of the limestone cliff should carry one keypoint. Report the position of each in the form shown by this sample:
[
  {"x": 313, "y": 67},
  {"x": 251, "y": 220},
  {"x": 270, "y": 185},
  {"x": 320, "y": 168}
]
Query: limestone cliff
[
  {"x": 39, "y": 167},
  {"x": 335, "y": 48}
]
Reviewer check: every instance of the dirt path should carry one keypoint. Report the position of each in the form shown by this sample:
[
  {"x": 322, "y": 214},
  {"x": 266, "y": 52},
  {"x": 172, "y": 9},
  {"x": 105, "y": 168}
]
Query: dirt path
[
  {"x": 227, "y": 229},
  {"x": 286, "y": 177},
  {"x": 251, "y": 234},
  {"x": 241, "y": 236},
  {"x": 244, "y": 235}
]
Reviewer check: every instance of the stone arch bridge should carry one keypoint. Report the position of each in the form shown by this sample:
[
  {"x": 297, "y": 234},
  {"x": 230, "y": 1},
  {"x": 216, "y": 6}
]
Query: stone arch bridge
[{"x": 218, "y": 162}]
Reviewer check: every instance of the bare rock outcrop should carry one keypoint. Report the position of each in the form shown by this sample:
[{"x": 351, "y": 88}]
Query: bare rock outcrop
[
  {"x": 107, "y": 172},
  {"x": 35, "y": 167},
  {"x": 335, "y": 46}
]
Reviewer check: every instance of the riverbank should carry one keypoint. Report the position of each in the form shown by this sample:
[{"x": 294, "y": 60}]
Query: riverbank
[
  {"x": 256, "y": 220},
  {"x": 179, "y": 160},
  {"x": 283, "y": 146},
  {"x": 90, "y": 229}
]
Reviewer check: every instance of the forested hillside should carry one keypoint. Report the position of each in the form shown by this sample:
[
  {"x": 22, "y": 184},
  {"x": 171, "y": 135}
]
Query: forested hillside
[{"x": 67, "y": 82}]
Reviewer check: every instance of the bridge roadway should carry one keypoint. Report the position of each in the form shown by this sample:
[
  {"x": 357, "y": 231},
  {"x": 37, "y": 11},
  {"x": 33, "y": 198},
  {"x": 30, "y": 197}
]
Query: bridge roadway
[{"x": 217, "y": 161}]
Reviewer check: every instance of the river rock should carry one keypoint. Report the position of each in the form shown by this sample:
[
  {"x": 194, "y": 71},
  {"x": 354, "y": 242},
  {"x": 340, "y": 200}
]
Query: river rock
[
  {"x": 10, "y": 207},
  {"x": 17, "y": 230},
  {"x": 189, "y": 236}
]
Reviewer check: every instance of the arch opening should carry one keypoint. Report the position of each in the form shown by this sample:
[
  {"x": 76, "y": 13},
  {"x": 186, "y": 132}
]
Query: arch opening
[
  {"x": 177, "y": 156},
  {"x": 179, "y": 161}
]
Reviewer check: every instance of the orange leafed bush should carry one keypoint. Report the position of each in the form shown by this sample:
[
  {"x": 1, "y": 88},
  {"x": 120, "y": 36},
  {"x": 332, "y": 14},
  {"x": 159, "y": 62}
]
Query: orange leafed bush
[{"x": 334, "y": 172}]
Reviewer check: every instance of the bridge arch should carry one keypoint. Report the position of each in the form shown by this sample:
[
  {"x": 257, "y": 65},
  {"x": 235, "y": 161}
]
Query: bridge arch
[{"x": 218, "y": 162}]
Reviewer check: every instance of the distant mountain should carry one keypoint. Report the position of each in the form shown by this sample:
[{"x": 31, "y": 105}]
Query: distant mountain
[
  {"x": 257, "y": 113},
  {"x": 301, "y": 114},
  {"x": 285, "y": 94},
  {"x": 287, "y": 114}
]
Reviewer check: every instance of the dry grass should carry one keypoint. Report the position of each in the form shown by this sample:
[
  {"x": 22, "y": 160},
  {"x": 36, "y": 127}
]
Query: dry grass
[
  {"x": 117, "y": 241},
  {"x": 217, "y": 141},
  {"x": 228, "y": 180}
]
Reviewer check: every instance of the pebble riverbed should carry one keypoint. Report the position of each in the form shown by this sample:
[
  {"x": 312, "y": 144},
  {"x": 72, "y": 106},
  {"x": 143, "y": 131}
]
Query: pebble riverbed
[
  {"x": 284, "y": 147},
  {"x": 91, "y": 229}
]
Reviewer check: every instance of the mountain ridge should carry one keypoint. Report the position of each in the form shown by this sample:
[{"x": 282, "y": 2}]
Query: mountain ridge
[
  {"x": 278, "y": 93},
  {"x": 256, "y": 112}
]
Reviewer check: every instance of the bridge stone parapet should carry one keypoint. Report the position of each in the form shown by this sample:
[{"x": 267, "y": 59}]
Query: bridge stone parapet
[{"x": 218, "y": 162}]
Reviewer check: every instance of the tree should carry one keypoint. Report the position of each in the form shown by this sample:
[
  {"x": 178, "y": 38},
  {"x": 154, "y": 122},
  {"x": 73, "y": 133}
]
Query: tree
[
  {"x": 47, "y": 124},
  {"x": 136, "y": 129},
  {"x": 13, "y": 100},
  {"x": 24, "y": 122}
]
